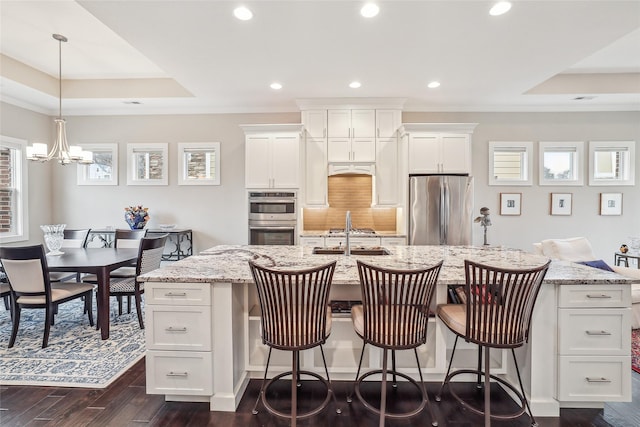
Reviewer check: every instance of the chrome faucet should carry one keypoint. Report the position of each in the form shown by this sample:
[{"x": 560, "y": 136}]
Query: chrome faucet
[{"x": 347, "y": 231}]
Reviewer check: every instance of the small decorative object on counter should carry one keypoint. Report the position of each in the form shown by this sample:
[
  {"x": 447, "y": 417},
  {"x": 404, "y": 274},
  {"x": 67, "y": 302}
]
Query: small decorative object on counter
[
  {"x": 484, "y": 221},
  {"x": 53, "y": 237},
  {"x": 136, "y": 216},
  {"x": 624, "y": 249}
]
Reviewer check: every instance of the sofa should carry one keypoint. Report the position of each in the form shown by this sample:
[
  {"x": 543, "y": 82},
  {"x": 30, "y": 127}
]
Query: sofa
[{"x": 578, "y": 249}]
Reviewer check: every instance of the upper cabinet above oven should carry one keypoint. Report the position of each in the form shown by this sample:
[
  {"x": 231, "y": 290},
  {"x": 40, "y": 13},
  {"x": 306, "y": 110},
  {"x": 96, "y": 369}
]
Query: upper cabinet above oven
[{"x": 272, "y": 156}]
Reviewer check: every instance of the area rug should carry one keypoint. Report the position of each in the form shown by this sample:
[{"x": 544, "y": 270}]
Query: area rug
[
  {"x": 75, "y": 356},
  {"x": 635, "y": 350}
]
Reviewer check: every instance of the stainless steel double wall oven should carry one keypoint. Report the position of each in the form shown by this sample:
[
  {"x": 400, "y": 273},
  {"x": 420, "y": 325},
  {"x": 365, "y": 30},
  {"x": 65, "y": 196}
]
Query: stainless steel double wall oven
[{"x": 272, "y": 218}]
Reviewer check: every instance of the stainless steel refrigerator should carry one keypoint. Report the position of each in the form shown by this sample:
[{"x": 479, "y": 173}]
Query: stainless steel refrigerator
[{"x": 440, "y": 209}]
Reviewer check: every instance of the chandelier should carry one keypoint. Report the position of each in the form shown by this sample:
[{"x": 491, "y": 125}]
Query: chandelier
[{"x": 61, "y": 150}]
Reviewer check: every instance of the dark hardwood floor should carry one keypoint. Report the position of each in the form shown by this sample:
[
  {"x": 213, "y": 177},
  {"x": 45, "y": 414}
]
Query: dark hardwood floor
[{"x": 125, "y": 403}]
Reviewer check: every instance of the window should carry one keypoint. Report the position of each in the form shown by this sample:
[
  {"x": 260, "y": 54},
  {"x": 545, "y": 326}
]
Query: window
[
  {"x": 199, "y": 163},
  {"x": 612, "y": 163},
  {"x": 13, "y": 191},
  {"x": 147, "y": 164},
  {"x": 561, "y": 163},
  {"x": 104, "y": 169},
  {"x": 510, "y": 163}
]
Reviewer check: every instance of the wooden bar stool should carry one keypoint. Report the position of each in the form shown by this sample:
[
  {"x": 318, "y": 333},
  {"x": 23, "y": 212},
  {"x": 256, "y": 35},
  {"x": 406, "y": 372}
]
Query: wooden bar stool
[
  {"x": 394, "y": 315},
  {"x": 295, "y": 316},
  {"x": 497, "y": 315}
]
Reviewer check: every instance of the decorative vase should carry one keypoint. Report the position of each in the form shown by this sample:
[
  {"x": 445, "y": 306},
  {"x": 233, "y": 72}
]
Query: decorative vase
[
  {"x": 53, "y": 237},
  {"x": 136, "y": 222}
]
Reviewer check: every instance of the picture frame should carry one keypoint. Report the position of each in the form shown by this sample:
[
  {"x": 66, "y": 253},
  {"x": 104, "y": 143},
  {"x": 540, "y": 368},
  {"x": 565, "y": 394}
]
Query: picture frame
[
  {"x": 561, "y": 203},
  {"x": 104, "y": 169},
  {"x": 147, "y": 164},
  {"x": 510, "y": 203},
  {"x": 610, "y": 203}
]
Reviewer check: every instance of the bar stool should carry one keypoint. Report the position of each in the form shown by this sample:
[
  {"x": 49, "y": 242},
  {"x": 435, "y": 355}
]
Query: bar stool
[
  {"x": 497, "y": 315},
  {"x": 294, "y": 317},
  {"x": 394, "y": 316}
]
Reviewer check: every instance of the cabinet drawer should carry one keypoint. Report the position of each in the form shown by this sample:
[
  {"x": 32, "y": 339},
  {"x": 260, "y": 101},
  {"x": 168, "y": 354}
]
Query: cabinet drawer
[
  {"x": 179, "y": 372},
  {"x": 312, "y": 241},
  {"x": 177, "y": 293},
  {"x": 599, "y": 331},
  {"x": 595, "y": 296},
  {"x": 178, "y": 327},
  {"x": 602, "y": 379}
]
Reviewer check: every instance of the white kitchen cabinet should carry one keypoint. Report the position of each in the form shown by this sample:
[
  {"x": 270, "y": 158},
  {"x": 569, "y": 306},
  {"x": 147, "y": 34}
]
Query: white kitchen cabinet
[
  {"x": 439, "y": 147},
  {"x": 392, "y": 241},
  {"x": 351, "y": 150},
  {"x": 594, "y": 343},
  {"x": 351, "y": 123},
  {"x": 386, "y": 189},
  {"x": 387, "y": 123},
  {"x": 315, "y": 123},
  {"x": 178, "y": 337},
  {"x": 272, "y": 156},
  {"x": 439, "y": 153},
  {"x": 312, "y": 242},
  {"x": 315, "y": 171}
]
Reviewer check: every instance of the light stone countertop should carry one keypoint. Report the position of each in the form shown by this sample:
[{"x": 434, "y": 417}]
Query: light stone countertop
[{"x": 229, "y": 263}]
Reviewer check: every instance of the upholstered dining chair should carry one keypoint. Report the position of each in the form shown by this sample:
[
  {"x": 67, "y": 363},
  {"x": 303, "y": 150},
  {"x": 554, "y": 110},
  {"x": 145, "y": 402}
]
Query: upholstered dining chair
[
  {"x": 394, "y": 315},
  {"x": 72, "y": 239},
  {"x": 123, "y": 239},
  {"x": 26, "y": 269},
  {"x": 295, "y": 317},
  {"x": 497, "y": 314},
  {"x": 149, "y": 258}
]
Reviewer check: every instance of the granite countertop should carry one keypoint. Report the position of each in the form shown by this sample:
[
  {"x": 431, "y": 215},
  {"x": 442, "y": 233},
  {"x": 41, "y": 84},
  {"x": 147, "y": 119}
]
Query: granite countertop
[
  {"x": 325, "y": 233},
  {"x": 228, "y": 263}
]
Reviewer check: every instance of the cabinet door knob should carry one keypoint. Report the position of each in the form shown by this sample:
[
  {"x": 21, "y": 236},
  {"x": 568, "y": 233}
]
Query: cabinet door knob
[
  {"x": 176, "y": 329},
  {"x": 175, "y": 294},
  {"x": 177, "y": 374},
  {"x": 599, "y": 296},
  {"x": 598, "y": 333}
]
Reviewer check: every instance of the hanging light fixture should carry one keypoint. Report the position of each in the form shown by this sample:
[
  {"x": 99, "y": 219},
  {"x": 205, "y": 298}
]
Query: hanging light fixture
[{"x": 61, "y": 150}]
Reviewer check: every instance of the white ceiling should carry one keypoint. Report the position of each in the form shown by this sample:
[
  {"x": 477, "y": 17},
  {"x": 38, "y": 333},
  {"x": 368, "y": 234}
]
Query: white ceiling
[{"x": 195, "y": 57}]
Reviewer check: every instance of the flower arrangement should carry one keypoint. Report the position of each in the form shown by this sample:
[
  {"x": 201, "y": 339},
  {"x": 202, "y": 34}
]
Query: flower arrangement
[{"x": 136, "y": 216}]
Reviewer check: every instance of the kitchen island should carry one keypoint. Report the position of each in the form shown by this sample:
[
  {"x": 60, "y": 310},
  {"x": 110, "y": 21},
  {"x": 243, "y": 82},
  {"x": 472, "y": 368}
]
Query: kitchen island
[{"x": 203, "y": 341}]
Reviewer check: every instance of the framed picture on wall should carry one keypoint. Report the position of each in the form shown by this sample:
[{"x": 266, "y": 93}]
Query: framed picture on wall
[
  {"x": 610, "y": 203},
  {"x": 561, "y": 203},
  {"x": 510, "y": 203}
]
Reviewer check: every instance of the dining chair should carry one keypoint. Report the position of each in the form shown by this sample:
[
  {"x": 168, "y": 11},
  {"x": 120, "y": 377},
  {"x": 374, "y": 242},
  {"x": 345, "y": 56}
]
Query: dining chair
[
  {"x": 123, "y": 239},
  {"x": 26, "y": 269},
  {"x": 150, "y": 252},
  {"x": 497, "y": 314},
  {"x": 72, "y": 239},
  {"x": 394, "y": 315},
  {"x": 295, "y": 317}
]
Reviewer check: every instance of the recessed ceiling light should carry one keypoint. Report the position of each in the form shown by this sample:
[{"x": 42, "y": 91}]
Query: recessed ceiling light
[
  {"x": 275, "y": 86},
  {"x": 354, "y": 85},
  {"x": 433, "y": 85},
  {"x": 369, "y": 10},
  {"x": 242, "y": 13},
  {"x": 500, "y": 8}
]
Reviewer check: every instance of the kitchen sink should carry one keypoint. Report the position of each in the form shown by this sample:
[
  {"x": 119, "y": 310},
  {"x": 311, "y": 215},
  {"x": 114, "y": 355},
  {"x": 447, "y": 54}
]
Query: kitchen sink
[{"x": 359, "y": 250}]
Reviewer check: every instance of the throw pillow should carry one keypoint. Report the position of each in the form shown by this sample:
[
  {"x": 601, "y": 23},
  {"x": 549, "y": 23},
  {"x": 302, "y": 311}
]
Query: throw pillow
[{"x": 598, "y": 263}]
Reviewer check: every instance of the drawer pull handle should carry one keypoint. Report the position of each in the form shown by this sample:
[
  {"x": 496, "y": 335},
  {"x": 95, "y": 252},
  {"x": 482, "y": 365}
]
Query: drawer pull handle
[
  {"x": 175, "y": 294},
  {"x": 600, "y": 296},
  {"x": 598, "y": 333},
  {"x": 176, "y": 329},
  {"x": 177, "y": 374},
  {"x": 598, "y": 380}
]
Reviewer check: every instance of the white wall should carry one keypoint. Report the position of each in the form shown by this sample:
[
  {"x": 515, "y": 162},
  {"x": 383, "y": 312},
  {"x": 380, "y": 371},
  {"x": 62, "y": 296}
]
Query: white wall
[
  {"x": 606, "y": 233},
  {"x": 217, "y": 214}
]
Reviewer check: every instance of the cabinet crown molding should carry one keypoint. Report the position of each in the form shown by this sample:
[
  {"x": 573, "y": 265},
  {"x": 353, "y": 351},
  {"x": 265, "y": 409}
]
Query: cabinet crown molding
[
  {"x": 438, "y": 127},
  {"x": 351, "y": 103}
]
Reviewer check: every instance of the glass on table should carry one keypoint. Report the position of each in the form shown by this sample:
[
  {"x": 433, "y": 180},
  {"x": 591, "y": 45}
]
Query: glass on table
[{"x": 53, "y": 236}]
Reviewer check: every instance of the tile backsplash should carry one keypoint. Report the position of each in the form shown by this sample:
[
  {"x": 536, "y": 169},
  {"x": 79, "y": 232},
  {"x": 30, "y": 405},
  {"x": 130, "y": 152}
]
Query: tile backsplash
[{"x": 350, "y": 193}]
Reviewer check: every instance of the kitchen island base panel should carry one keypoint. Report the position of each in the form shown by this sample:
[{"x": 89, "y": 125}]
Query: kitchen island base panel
[{"x": 235, "y": 344}]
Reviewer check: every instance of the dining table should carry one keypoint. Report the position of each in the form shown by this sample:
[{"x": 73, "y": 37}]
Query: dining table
[{"x": 98, "y": 261}]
